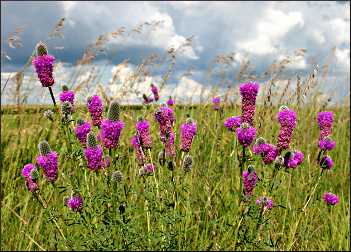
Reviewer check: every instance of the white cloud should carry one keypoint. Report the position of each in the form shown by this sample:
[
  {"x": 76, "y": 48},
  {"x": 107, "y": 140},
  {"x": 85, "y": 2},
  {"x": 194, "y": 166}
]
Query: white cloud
[
  {"x": 270, "y": 29},
  {"x": 340, "y": 28},
  {"x": 343, "y": 57}
]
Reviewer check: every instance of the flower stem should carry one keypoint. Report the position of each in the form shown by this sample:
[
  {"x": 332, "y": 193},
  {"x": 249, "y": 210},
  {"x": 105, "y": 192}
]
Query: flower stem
[{"x": 52, "y": 96}]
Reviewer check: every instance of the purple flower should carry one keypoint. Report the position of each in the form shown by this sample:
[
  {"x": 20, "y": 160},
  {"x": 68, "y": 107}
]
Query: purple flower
[
  {"x": 325, "y": 122},
  {"x": 248, "y": 92},
  {"x": 140, "y": 156},
  {"x": 165, "y": 116},
  {"x": 49, "y": 164},
  {"x": 75, "y": 203},
  {"x": 267, "y": 151},
  {"x": 326, "y": 163},
  {"x": 110, "y": 133},
  {"x": 94, "y": 159},
  {"x": 326, "y": 144},
  {"x": 287, "y": 120},
  {"x": 154, "y": 90},
  {"x": 67, "y": 96},
  {"x": 44, "y": 67},
  {"x": 169, "y": 144},
  {"x": 170, "y": 101},
  {"x": 95, "y": 109},
  {"x": 232, "y": 123},
  {"x": 187, "y": 133},
  {"x": 246, "y": 134},
  {"x": 107, "y": 162},
  {"x": 293, "y": 159},
  {"x": 147, "y": 169},
  {"x": 82, "y": 131},
  {"x": 27, "y": 174},
  {"x": 264, "y": 202},
  {"x": 216, "y": 102},
  {"x": 143, "y": 130},
  {"x": 249, "y": 180},
  {"x": 330, "y": 198}
]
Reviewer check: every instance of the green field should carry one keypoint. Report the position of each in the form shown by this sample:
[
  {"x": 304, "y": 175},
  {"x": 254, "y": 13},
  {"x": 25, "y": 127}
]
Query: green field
[{"x": 175, "y": 210}]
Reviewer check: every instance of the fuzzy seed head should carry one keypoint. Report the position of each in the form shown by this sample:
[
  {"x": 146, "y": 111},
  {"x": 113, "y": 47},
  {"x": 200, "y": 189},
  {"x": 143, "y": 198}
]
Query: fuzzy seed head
[
  {"x": 187, "y": 163},
  {"x": 161, "y": 158},
  {"x": 80, "y": 121},
  {"x": 171, "y": 165},
  {"x": 250, "y": 169},
  {"x": 283, "y": 107},
  {"x": 64, "y": 88},
  {"x": 113, "y": 112},
  {"x": 49, "y": 114},
  {"x": 260, "y": 140},
  {"x": 91, "y": 140},
  {"x": 44, "y": 148},
  {"x": 279, "y": 161},
  {"x": 66, "y": 107},
  {"x": 244, "y": 125},
  {"x": 41, "y": 49},
  {"x": 117, "y": 176}
]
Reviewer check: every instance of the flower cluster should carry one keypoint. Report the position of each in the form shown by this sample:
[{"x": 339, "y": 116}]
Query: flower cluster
[
  {"x": 95, "y": 109},
  {"x": 143, "y": 131},
  {"x": 165, "y": 117},
  {"x": 187, "y": 133},
  {"x": 47, "y": 160},
  {"x": 216, "y": 103},
  {"x": 267, "y": 151},
  {"x": 265, "y": 203},
  {"x": 245, "y": 134},
  {"x": 81, "y": 130},
  {"x": 232, "y": 123},
  {"x": 248, "y": 92},
  {"x": 75, "y": 202},
  {"x": 140, "y": 156},
  {"x": 44, "y": 67},
  {"x": 249, "y": 180},
  {"x": 67, "y": 96},
  {"x": 330, "y": 198},
  {"x": 28, "y": 172},
  {"x": 287, "y": 120},
  {"x": 325, "y": 122},
  {"x": 293, "y": 159}
]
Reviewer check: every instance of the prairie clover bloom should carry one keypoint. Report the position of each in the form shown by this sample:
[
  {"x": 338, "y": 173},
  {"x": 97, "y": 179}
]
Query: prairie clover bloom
[
  {"x": 147, "y": 169},
  {"x": 165, "y": 117},
  {"x": 187, "y": 133},
  {"x": 47, "y": 160},
  {"x": 267, "y": 151},
  {"x": 216, "y": 102},
  {"x": 249, "y": 180},
  {"x": 75, "y": 202},
  {"x": 325, "y": 122},
  {"x": 330, "y": 198},
  {"x": 154, "y": 90},
  {"x": 111, "y": 128},
  {"x": 232, "y": 123},
  {"x": 326, "y": 144},
  {"x": 293, "y": 159},
  {"x": 143, "y": 131},
  {"x": 139, "y": 153},
  {"x": 28, "y": 172},
  {"x": 246, "y": 134},
  {"x": 44, "y": 64},
  {"x": 326, "y": 163},
  {"x": 170, "y": 151},
  {"x": 95, "y": 108},
  {"x": 287, "y": 120},
  {"x": 170, "y": 101},
  {"x": 81, "y": 130},
  {"x": 93, "y": 153},
  {"x": 248, "y": 93},
  {"x": 265, "y": 202},
  {"x": 67, "y": 95}
]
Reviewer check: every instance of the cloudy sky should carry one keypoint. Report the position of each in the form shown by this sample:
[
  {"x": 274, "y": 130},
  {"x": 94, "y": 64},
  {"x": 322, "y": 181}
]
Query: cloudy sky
[{"x": 258, "y": 31}]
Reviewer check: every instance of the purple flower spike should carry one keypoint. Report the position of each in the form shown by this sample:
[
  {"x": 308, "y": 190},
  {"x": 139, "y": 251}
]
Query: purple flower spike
[
  {"x": 81, "y": 131},
  {"x": 326, "y": 163},
  {"x": 49, "y": 164},
  {"x": 147, "y": 169},
  {"x": 330, "y": 198},
  {"x": 265, "y": 202},
  {"x": 75, "y": 203},
  {"x": 246, "y": 134},
  {"x": 143, "y": 129},
  {"x": 110, "y": 133},
  {"x": 216, "y": 103},
  {"x": 44, "y": 67},
  {"x": 267, "y": 151},
  {"x": 187, "y": 133},
  {"x": 154, "y": 90},
  {"x": 94, "y": 158},
  {"x": 169, "y": 144},
  {"x": 294, "y": 160},
  {"x": 95, "y": 109},
  {"x": 287, "y": 120},
  {"x": 325, "y": 122},
  {"x": 170, "y": 102},
  {"x": 67, "y": 95},
  {"x": 27, "y": 174},
  {"x": 249, "y": 180},
  {"x": 326, "y": 144},
  {"x": 140, "y": 156},
  {"x": 232, "y": 123},
  {"x": 248, "y": 92}
]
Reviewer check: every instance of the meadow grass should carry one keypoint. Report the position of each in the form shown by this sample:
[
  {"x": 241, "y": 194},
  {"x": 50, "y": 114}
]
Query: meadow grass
[{"x": 175, "y": 210}]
